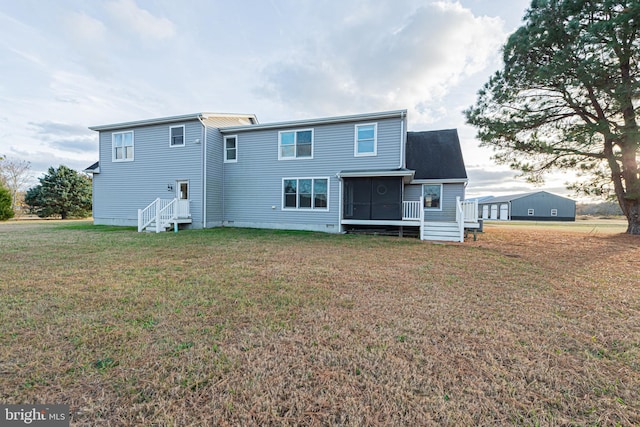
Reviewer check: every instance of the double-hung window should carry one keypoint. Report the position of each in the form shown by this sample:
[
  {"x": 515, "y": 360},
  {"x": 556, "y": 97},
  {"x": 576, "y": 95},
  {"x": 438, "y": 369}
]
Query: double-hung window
[
  {"x": 366, "y": 140},
  {"x": 230, "y": 149},
  {"x": 176, "y": 136},
  {"x": 432, "y": 194},
  {"x": 295, "y": 144},
  {"x": 122, "y": 146},
  {"x": 305, "y": 193}
]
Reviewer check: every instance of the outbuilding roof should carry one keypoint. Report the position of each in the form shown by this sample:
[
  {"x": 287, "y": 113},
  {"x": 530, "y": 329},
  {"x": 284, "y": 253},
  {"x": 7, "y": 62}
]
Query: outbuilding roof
[{"x": 509, "y": 198}]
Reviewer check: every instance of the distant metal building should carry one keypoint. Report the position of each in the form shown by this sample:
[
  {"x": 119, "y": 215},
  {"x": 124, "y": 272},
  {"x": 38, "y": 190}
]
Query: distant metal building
[{"x": 536, "y": 206}]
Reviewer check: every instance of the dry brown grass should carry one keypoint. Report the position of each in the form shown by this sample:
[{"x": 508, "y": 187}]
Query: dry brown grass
[{"x": 526, "y": 326}]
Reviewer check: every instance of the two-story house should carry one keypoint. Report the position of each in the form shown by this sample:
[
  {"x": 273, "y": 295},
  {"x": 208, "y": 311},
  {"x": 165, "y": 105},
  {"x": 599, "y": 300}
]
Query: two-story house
[{"x": 332, "y": 174}]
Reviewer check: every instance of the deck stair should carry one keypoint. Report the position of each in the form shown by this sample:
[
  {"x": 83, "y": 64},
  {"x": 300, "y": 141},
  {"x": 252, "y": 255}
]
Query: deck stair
[
  {"x": 163, "y": 214},
  {"x": 441, "y": 230}
]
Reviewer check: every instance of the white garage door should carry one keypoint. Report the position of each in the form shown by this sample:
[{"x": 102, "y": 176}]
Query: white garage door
[
  {"x": 504, "y": 212},
  {"x": 494, "y": 211}
]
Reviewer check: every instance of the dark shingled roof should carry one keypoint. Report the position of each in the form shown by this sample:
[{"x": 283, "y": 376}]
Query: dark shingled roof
[
  {"x": 435, "y": 155},
  {"x": 93, "y": 167}
]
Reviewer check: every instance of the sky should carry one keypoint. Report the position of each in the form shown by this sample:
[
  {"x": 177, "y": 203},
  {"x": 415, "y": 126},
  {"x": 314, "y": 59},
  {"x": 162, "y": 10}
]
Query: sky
[{"x": 69, "y": 64}]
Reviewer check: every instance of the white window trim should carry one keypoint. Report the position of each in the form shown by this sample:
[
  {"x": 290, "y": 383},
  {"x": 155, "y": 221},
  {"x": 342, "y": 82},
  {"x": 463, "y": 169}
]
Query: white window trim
[
  {"x": 224, "y": 147},
  {"x": 311, "y": 209},
  {"x": 295, "y": 144},
  {"x": 375, "y": 140},
  {"x": 133, "y": 146},
  {"x": 554, "y": 212},
  {"x": 184, "y": 136},
  {"x": 531, "y": 212},
  {"x": 439, "y": 208}
]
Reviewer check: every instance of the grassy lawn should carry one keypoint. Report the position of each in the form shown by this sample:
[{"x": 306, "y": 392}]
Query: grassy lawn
[{"x": 529, "y": 325}]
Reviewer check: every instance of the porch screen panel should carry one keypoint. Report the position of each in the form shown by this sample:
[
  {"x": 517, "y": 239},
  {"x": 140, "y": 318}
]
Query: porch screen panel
[
  {"x": 357, "y": 196},
  {"x": 386, "y": 198}
]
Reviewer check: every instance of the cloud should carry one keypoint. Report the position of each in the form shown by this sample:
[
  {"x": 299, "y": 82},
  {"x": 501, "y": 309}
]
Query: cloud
[
  {"x": 49, "y": 128},
  {"x": 135, "y": 19},
  {"x": 76, "y": 145},
  {"x": 374, "y": 58},
  {"x": 65, "y": 137},
  {"x": 85, "y": 29}
]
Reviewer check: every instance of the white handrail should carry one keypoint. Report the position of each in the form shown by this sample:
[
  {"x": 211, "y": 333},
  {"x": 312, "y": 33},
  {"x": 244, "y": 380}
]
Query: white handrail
[
  {"x": 460, "y": 218},
  {"x": 147, "y": 215},
  {"x": 470, "y": 211},
  {"x": 421, "y": 212},
  {"x": 411, "y": 210},
  {"x": 163, "y": 212}
]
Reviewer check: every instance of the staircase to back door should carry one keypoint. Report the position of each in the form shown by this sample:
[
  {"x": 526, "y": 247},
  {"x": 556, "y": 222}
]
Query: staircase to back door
[{"x": 445, "y": 231}]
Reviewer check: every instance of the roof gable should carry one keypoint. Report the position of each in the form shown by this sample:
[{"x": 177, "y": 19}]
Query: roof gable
[{"x": 435, "y": 155}]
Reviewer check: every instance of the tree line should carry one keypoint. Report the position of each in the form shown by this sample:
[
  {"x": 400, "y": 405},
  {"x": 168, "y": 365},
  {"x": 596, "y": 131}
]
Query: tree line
[{"x": 61, "y": 192}]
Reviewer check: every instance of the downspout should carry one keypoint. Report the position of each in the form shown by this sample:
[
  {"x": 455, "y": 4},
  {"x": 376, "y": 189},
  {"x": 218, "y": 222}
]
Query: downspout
[
  {"x": 204, "y": 173},
  {"x": 403, "y": 141},
  {"x": 340, "y": 206},
  {"x": 403, "y": 138}
]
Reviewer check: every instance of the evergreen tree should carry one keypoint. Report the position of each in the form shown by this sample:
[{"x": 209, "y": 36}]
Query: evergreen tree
[
  {"x": 567, "y": 98},
  {"x": 63, "y": 192},
  {"x": 6, "y": 211}
]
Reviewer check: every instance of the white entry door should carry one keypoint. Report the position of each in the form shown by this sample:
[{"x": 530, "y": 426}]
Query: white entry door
[
  {"x": 182, "y": 194},
  {"x": 182, "y": 190}
]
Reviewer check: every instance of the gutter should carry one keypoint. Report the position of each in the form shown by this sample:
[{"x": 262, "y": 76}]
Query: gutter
[{"x": 315, "y": 122}]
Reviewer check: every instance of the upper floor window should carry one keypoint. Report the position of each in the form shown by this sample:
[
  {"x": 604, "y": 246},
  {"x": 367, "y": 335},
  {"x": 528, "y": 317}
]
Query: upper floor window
[
  {"x": 122, "y": 146},
  {"x": 432, "y": 194},
  {"x": 295, "y": 144},
  {"x": 176, "y": 138},
  {"x": 366, "y": 139},
  {"x": 230, "y": 149}
]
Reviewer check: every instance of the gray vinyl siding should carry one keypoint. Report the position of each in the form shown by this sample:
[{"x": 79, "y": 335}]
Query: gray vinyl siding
[
  {"x": 448, "y": 212},
  {"x": 121, "y": 188},
  {"x": 449, "y": 193},
  {"x": 215, "y": 179},
  {"x": 253, "y": 185},
  {"x": 412, "y": 192}
]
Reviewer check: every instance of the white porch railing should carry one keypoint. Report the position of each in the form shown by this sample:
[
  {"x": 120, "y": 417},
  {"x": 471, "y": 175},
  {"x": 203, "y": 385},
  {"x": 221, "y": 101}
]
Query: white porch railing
[
  {"x": 466, "y": 213},
  {"x": 162, "y": 212},
  {"x": 411, "y": 210}
]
